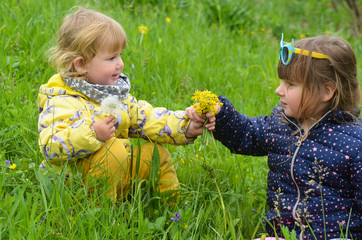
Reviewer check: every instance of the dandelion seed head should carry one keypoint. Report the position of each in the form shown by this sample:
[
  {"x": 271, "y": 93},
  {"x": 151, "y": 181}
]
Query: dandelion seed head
[{"x": 111, "y": 105}]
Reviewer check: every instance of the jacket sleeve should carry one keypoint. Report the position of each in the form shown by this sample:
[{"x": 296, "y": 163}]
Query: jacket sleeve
[
  {"x": 158, "y": 123},
  {"x": 239, "y": 133},
  {"x": 65, "y": 130}
]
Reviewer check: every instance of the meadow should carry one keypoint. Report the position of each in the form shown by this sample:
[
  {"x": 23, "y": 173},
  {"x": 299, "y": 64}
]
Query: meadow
[{"x": 228, "y": 47}]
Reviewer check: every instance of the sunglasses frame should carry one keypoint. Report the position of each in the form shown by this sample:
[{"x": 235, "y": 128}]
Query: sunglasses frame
[{"x": 291, "y": 49}]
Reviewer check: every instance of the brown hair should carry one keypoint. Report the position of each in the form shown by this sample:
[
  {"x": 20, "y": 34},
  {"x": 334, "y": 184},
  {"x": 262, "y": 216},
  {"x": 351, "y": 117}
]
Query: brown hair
[
  {"x": 340, "y": 69},
  {"x": 82, "y": 34}
]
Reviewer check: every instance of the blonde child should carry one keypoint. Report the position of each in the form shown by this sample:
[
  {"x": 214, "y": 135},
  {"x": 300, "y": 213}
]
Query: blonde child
[
  {"x": 313, "y": 140},
  {"x": 73, "y": 127}
]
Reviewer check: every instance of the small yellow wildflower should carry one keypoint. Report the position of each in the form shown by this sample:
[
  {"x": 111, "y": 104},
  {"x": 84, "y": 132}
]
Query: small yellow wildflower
[
  {"x": 153, "y": 93},
  {"x": 252, "y": 33},
  {"x": 186, "y": 226},
  {"x": 205, "y": 102},
  {"x": 302, "y": 35},
  {"x": 168, "y": 19},
  {"x": 327, "y": 32},
  {"x": 12, "y": 166},
  {"x": 236, "y": 177},
  {"x": 263, "y": 237},
  {"x": 142, "y": 29},
  {"x": 262, "y": 29}
]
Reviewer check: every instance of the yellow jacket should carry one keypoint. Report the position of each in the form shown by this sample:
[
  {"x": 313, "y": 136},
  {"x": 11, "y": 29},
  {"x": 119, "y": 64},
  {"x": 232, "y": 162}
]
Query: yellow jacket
[{"x": 66, "y": 117}]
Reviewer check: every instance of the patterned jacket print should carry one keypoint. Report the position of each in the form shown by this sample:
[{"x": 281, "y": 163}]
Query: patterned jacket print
[
  {"x": 66, "y": 117},
  {"x": 328, "y": 161}
]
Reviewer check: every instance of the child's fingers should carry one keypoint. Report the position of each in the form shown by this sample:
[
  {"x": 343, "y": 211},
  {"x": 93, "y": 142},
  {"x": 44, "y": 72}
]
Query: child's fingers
[
  {"x": 193, "y": 115},
  {"x": 211, "y": 124},
  {"x": 212, "y": 119},
  {"x": 210, "y": 127},
  {"x": 109, "y": 119}
]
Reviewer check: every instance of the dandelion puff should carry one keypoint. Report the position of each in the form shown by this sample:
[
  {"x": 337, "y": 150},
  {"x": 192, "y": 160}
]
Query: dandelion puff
[{"x": 111, "y": 105}]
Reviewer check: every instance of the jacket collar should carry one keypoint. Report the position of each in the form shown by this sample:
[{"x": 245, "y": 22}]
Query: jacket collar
[{"x": 336, "y": 116}]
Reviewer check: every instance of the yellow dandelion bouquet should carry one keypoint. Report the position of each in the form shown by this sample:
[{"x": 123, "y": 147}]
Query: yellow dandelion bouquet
[{"x": 205, "y": 102}]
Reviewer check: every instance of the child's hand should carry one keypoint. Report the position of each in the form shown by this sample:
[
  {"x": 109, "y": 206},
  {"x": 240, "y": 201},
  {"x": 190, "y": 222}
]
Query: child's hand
[
  {"x": 104, "y": 128},
  {"x": 193, "y": 115},
  {"x": 197, "y": 122}
]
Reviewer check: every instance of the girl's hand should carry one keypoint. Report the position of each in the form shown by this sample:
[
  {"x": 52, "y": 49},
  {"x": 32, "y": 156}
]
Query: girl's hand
[{"x": 104, "y": 128}]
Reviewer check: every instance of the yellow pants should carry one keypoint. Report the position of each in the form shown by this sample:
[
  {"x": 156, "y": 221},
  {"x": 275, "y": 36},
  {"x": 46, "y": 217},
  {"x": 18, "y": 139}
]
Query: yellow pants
[{"x": 113, "y": 163}]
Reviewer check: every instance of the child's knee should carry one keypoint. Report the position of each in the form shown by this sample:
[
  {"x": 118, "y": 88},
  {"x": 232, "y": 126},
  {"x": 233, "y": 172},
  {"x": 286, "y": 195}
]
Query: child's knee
[
  {"x": 111, "y": 157},
  {"x": 165, "y": 156}
]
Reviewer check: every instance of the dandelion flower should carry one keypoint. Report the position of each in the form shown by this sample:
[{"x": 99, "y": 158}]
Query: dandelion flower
[
  {"x": 111, "y": 105},
  {"x": 142, "y": 29},
  {"x": 12, "y": 166},
  {"x": 168, "y": 19},
  {"x": 205, "y": 102}
]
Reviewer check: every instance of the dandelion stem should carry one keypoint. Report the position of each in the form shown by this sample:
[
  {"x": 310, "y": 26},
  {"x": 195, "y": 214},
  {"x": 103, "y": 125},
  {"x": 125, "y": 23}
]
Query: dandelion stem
[{"x": 221, "y": 201}]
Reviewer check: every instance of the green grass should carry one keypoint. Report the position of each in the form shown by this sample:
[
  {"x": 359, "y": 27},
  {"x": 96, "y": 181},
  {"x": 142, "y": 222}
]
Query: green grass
[{"x": 228, "y": 47}]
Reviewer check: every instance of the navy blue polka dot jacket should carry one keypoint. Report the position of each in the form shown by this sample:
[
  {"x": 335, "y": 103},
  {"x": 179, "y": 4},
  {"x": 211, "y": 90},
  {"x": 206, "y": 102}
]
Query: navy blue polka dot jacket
[{"x": 319, "y": 177}]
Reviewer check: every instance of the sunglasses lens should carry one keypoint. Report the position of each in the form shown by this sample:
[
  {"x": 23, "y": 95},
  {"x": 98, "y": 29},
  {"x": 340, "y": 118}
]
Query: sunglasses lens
[{"x": 284, "y": 54}]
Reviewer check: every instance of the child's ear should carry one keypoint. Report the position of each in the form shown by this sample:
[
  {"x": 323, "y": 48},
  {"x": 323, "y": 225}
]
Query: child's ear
[
  {"x": 78, "y": 64},
  {"x": 329, "y": 90}
]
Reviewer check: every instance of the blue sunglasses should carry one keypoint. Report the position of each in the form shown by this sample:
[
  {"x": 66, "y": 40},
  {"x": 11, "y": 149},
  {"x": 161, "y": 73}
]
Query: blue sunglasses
[{"x": 287, "y": 50}]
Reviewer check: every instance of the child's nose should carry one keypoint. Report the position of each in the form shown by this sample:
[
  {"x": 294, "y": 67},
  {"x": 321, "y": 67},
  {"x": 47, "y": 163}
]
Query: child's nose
[{"x": 279, "y": 90}]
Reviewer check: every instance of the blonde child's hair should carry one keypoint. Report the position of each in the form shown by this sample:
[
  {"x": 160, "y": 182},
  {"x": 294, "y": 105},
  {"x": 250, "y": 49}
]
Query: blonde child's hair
[
  {"x": 82, "y": 34},
  {"x": 340, "y": 69}
]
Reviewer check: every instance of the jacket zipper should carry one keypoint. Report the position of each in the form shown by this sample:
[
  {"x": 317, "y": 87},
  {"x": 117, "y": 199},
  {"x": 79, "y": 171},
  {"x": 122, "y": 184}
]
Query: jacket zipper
[{"x": 299, "y": 143}]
